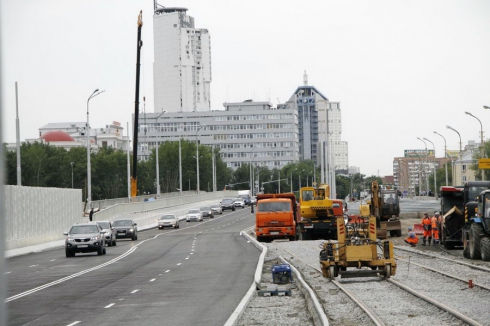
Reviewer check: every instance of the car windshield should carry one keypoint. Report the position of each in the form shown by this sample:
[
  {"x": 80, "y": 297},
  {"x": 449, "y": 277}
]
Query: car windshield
[
  {"x": 215, "y": 206},
  {"x": 274, "y": 207},
  {"x": 227, "y": 200},
  {"x": 84, "y": 229},
  {"x": 205, "y": 208},
  {"x": 104, "y": 225},
  {"x": 123, "y": 223},
  {"x": 238, "y": 199},
  {"x": 194, "y": 211},
  {"x": 167, "y": 217}
]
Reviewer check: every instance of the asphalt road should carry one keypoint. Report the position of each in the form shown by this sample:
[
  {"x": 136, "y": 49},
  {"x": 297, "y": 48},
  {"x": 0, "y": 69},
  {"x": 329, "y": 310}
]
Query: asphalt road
[{"x": 195, "y": 275}]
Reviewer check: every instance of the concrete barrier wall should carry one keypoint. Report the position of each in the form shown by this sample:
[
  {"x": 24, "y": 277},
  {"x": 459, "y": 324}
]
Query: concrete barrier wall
[{"x": 37, "y": 215}]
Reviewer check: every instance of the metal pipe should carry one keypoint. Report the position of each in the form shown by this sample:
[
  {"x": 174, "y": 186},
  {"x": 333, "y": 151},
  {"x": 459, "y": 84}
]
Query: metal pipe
[
  {"x": 460, "y": 154},
  {"x": 445, "y": 156},
  {"x": 482, "y": 150},
  {"x": 435, "y": 175},
  {"x": 157, "y": 165}
]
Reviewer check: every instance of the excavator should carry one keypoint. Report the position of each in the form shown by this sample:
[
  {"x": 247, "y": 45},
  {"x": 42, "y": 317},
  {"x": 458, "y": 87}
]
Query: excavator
[{"x": 385, "y": 206}]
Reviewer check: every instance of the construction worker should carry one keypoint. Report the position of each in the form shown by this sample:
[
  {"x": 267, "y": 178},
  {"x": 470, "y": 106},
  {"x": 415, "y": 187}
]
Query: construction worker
[
  {"x": 434, "y": 223},
  {"x": 427, "y": 225},
  {"x": 412, "y": 238}
]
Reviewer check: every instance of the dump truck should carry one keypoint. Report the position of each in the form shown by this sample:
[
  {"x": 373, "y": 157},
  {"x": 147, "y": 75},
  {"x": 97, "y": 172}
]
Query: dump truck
[
  {"x": 476, "y": 233},
  {"x": 385, "y": 206},
  {"x": 357, "y": 247},
  {"x": 318, "y": 213},
  {"x": 458, "y": 206},
  {"x": 276, "y": 217}
]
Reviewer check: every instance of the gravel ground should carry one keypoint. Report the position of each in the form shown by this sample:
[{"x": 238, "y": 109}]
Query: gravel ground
[{"x": 392, "y": 304}]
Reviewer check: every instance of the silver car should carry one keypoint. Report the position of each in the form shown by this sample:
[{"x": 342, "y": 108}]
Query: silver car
[
  {"x": 109, "y": 233},
  {"x": 168, "y": 220},
  {"x": 84, "y": 237},
  {"x": 239, "y": 202},
  {"x": 194, "y": 215},
  {"x": 216, "y": 208}
]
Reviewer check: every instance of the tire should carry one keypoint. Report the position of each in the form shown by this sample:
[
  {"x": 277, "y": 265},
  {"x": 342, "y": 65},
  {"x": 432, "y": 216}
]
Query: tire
[
  {"x": 398, "y": 233},
  {"x": 233, "y": 209},
  {"x": 485, "y": 248},
  {"x": 331, "y": 272},
  {"x": 476, "y": 232},
  {"x": 104, "y": 251},
  {"x": 68, "y": 253},
  {"x": 388, "y": 271},
  {"x": 109, "y": 244}
]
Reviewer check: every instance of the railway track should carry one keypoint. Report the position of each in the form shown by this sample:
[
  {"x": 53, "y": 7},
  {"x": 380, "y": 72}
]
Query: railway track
[{"x": 400, "y": 299}]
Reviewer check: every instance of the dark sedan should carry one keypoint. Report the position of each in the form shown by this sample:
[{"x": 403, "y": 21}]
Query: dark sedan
[
  {"x": 126, "y": 229},
  {"x": 206, "y": 211}
]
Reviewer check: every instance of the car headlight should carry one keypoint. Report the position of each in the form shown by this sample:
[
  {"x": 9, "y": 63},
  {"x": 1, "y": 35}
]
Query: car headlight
[
  {"x": 71, "y": 239},
  {"x": 94, "y": 238},
  {"x": 131, "y": 230}
]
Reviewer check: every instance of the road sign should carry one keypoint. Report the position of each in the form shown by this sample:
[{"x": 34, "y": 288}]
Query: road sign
[{"x": 484, "y": 163}]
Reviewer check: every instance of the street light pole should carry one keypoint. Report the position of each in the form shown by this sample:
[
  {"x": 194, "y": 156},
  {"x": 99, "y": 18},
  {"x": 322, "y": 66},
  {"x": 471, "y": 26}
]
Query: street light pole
[
  {"x": 460, "y": 154},
  {"x": 482, "y": 150},
  {"x": 71, "y": 163},
  {"x": 89, "y": 176},
  {"x": 158, "y": 166},
  {"x": 435, "y": 176},
  {"x": 445, "y": 155},
  {"x": 197, "y": 156},
  {"x": 251, "y": 177},
  {"x": 427, "y": 160},
  {"x": 180, "y": 168}
]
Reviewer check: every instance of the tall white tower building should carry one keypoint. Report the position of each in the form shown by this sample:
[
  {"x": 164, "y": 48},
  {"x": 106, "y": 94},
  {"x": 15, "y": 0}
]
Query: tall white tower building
[{"x": 182, "y": 66}]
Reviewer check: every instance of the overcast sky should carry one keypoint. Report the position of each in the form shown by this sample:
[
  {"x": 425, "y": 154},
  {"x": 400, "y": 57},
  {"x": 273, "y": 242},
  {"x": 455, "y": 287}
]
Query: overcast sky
[{"x": 400, "y": 69}]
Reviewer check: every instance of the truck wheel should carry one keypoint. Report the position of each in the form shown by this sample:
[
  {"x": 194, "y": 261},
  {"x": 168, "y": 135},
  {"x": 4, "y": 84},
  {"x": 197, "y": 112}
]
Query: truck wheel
[
  {"x": 476, "y": 232},
  {"x": 485, "y": 248}
]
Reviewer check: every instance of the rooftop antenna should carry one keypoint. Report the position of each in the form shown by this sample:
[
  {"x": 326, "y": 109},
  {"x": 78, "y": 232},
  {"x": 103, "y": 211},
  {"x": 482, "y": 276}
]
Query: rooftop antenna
[{"x": 305, "y": 79}]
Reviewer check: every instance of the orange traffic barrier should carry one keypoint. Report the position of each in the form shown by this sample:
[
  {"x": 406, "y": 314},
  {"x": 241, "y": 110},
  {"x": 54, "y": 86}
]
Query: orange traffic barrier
[{"x": 418, "y": 229}]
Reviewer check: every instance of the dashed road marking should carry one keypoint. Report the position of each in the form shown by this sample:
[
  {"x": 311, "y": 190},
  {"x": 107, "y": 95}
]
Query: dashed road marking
[
  {"x": 168, "y": 270},
  {"x": 8, "y": 272},
  {"x": 54, "y": 260},
  {"x": 33, "y": 265},
  {"x": 187, "y": 257},
  {"x": 179, "y": 264},
  {"x": 109, "y": 305},
  {"x": 134, "y": 291},
  {"x": 74, "y": 323},
  {"x": 152, "y": 279}
]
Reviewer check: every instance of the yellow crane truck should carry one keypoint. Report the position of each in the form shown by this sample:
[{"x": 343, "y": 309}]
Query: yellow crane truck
[{"x": 318, "y": 213}]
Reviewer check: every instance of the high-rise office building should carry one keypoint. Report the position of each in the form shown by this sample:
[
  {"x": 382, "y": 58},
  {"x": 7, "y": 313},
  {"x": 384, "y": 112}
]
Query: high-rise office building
[{"x": 182, "y": 66}]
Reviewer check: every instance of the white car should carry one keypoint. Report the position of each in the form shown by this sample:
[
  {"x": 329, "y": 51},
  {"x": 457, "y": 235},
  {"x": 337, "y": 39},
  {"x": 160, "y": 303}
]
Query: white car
[
  {"x": 109, "y": 233},
  {"x": 216, "y": 208},
  {"x": 168, "y": 220},
  {"x": 239, "y": 203},
  {"x": 194, "y": 215}
]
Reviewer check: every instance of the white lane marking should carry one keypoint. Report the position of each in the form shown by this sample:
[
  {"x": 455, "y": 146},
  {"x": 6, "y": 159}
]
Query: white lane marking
[
  {"x": 61, "y": 280},
  {"x": 179, "y": 264},
  {"x": 152, "y": 279},
  {"x": 134, "y": 291},
  {"x": 192, "y": 249},
  {"x": 187, "y": 257},
  {"x": 54, "y": 260},
  {"x": 74, "y": 323},
  {"x": 168, "y": 270},
  {"x": 109, "y": 305},
  {"x": 8, "y": 272},
  {"x": 33, "y": 265},
  {"x": 192, "y": 253}
]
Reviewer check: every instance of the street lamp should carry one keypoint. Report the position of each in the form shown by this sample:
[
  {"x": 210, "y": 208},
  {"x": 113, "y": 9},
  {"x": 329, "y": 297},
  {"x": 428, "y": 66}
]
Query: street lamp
[
  {"x": 460, "y": 154},
  {"x": 71, "y": 163},
  {"x": 445, "y": 155},
  {"x": 197, "y": 155},
  {"x": 89, "y": 176},
  {"x": 180, "y": 168},
  {"x": 427, "y": 160},
  {"x": 435, "y": 177},
  {"x": 250, "y": 177},
  {"x": 158, "y": 167},
  {"x": 481, "y": 143}
]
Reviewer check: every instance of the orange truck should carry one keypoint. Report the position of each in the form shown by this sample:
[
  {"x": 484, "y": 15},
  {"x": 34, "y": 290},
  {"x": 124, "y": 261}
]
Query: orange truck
[{"x": 276, "y": 217}]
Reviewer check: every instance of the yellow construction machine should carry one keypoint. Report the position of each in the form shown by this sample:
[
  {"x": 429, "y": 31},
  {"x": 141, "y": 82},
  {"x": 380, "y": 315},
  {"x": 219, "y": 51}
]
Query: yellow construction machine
[{"x": 357, "y": 247}]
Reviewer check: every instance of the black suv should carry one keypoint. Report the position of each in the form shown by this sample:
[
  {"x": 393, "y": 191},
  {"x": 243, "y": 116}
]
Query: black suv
[
  {"x": 126, "y": 229},
  {"x": 84, "y": 237},
  {"x": 228, "y": 203}
]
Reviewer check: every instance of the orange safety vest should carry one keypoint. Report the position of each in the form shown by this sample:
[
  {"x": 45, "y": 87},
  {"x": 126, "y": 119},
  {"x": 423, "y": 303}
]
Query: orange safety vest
[
  {"x": 426, "y": 223},
  {"x": 434, "y": 221}
]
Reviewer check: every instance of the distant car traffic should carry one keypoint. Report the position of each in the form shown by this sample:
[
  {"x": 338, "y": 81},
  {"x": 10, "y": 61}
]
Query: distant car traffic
[
  {"x": 109, "y": 233},
  {"x": 239, "y": 203},
  {"x": 84, "y": 237},
  {"x": 228, "y": 203},
  {"x": 206, "y": 211},
  {"x": 216, "y": 208},
  {"x": 168, "y": 220},
  {"x": 194, "y": 215},
  {"x": 126, "y": 229}
]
